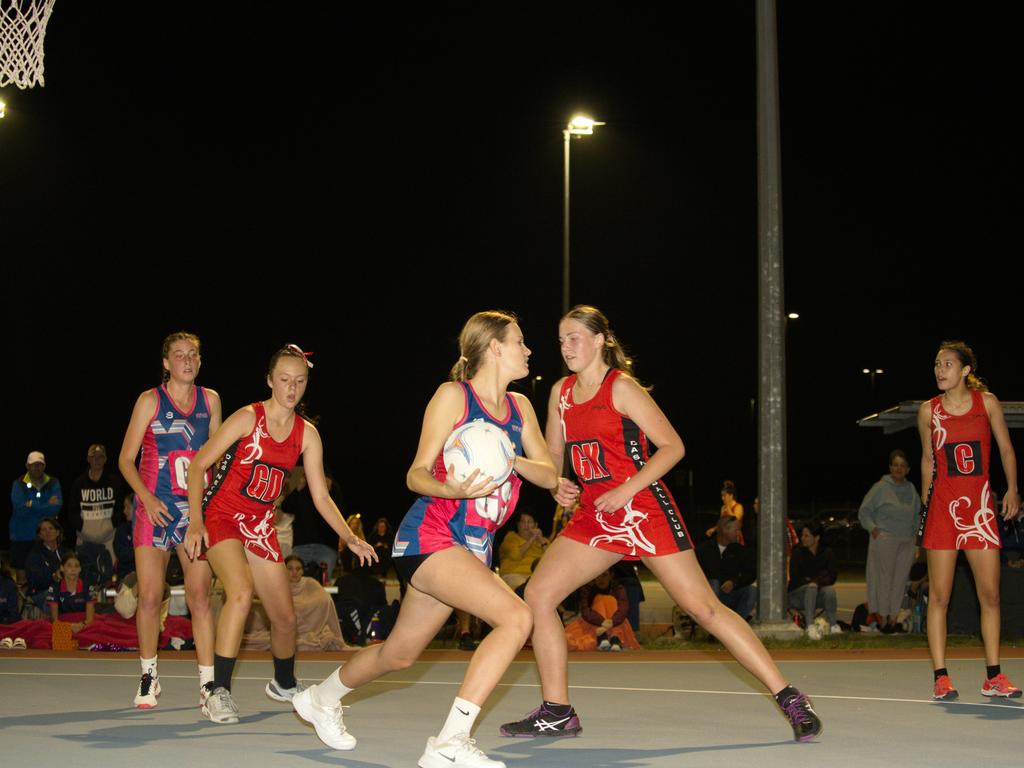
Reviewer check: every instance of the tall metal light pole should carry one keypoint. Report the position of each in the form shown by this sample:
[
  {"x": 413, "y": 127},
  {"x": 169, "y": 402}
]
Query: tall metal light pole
[{"x": 578, "y": 126}]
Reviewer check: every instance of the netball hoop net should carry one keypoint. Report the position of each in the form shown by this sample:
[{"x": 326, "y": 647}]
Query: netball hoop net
[{"x": 22, "y": 29}]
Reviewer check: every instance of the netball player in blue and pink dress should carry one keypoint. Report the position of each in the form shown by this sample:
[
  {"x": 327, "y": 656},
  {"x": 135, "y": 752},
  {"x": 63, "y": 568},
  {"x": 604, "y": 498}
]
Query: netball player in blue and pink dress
[
  {"x": 258, "y": 447},
  {"x": 956, "y": 431},
  {"x": 605, "y": 419},
  {"x": 443, "y": 546},
  {"x": 169, "y": 424}
]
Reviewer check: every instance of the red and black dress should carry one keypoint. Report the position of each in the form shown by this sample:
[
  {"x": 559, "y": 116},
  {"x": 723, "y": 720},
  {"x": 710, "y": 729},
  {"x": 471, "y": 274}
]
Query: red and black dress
[
  {"x": 959, "y": 512},
  {"x": 606, "y": 448},
  {"x": 239, "y": 504}
]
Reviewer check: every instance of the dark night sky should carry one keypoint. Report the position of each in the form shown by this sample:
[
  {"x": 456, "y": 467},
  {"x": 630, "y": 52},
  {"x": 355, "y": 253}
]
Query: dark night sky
[{"x": 361, "y": 181}]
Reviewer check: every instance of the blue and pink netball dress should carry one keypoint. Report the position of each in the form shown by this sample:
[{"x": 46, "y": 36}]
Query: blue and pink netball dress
[
  {"x": 432, "y": 525},
  {"x": 170, "y": 442}
]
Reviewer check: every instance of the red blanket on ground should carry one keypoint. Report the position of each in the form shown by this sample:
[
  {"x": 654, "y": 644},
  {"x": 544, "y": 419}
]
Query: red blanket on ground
[{"x": 108, "y": 630}]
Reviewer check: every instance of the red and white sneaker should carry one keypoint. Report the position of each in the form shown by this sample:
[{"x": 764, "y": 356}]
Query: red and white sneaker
[
  {"x": 944, "y": 690},
  {"x": 1000, "y": 686}
]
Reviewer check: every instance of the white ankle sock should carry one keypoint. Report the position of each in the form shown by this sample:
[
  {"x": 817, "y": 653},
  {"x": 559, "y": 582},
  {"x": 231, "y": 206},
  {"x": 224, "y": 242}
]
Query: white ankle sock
[
  {"x": 149, "y": 665},
  {"x": 205, "y": 675},
  {"x": 332, "y": 690},
  {"x": 460, "y": 720}
]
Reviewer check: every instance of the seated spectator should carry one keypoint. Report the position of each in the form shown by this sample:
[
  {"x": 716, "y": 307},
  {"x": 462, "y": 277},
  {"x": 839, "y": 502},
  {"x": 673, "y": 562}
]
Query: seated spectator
[
  {"x": 10, "y": 610},
  {"x": 316, "y": 621},
  {"x": 360, "y": 595},
  {"x": 71, "y": 599},
  {"x": 34, "y": 496},
  {"x": 95, "y": 504},
  {"x": 43, "y": 567},
  {"x": 382, "y": 538},
  {"x": 602, "y": 622},
  {"x": 625, "y": 572},
  {"x": 812, "y": 572},
  {"x": 124, "y": 540},
  {"x": 355, "y": 523},
  {"x": 561, "y": 520},
  {"x": 313, "y": 539},
  {"x": 520, "y": 549},
  {"x": 729, "y": 567}
]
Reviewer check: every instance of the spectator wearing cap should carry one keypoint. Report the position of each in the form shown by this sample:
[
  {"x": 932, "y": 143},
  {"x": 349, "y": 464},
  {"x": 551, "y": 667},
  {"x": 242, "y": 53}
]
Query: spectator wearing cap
[
  {"x": 95, "y": 503},
  {"x": 34, "y": 496}
]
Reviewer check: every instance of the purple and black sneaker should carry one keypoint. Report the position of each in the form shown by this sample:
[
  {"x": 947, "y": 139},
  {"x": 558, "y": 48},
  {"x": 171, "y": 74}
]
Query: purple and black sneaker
[
  {"x": 805, "y": 721},
  {"x": 543, "y": 722}
]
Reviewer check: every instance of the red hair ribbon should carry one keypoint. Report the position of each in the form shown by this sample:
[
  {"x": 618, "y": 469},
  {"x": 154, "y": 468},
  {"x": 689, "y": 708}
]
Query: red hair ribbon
[{"x": 305, "y": 355}]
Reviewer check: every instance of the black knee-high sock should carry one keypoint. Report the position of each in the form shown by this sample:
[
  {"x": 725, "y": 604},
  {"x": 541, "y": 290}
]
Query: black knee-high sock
[
  {"x": 937, "y": 673},
  {"x": 284, "y": 671},
  {"x": 223, "y": 669}
]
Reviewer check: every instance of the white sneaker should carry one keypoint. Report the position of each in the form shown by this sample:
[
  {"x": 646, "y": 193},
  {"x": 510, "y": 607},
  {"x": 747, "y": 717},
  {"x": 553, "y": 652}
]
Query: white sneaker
[
  {"x": 458, "y": 751},
  {"x": 279, "y": 693},
  {"x": 327, "y": 721},
  {"x": 7, "y": 643},
  {"x": 835, "y": 629},
  {"x": 220, "y": 707},
  {"x": 149, "y": 689},
  {"x": 814, "y": 632}
]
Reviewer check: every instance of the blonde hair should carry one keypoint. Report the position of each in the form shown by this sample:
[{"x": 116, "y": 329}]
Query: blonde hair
[{"x": 474, "y": 339}]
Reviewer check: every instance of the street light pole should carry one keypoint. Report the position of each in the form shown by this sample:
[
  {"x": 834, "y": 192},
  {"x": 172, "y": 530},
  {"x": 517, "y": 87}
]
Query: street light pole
[{"x": 578, "y": 126}]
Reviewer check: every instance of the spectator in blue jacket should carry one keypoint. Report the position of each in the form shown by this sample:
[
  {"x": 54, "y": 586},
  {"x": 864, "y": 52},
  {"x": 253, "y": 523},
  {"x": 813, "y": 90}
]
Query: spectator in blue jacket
[
  {"x": 34, "y": 496},
  {"x": 43, "y": 562}
]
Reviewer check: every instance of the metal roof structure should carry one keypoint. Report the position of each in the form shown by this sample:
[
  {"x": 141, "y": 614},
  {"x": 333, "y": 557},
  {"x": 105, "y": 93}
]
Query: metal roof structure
[{"x": 904, "y": 416}]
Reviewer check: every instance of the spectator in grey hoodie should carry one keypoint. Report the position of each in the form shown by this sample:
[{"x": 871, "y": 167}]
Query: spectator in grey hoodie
[{"x": 890, "y": 513}]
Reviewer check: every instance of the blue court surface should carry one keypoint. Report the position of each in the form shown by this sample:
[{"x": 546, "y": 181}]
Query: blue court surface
[{"x": 638, "y": 709}]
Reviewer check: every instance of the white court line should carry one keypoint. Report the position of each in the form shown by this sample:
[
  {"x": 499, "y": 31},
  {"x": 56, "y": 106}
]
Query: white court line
[
  {"x": 575, "y": 662},
  {"x": 618, "y": 689}
]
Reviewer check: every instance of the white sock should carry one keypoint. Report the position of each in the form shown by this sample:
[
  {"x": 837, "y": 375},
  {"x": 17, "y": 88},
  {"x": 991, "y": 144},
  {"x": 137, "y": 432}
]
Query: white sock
[
  {"x": 205, "y": 675},
  {"x": 149, "y": 665},
  {"x": 460, "y": 720},
  {"x": 331, "y": 690}
]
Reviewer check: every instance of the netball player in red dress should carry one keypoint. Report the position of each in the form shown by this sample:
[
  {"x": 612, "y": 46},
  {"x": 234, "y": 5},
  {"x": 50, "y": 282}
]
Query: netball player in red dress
[
  {"x": 169, "y": 424},
  {"x": 605, "y": 418},
  {"x": 956, "y": 430},
  {"x": 257, "y": 446}
]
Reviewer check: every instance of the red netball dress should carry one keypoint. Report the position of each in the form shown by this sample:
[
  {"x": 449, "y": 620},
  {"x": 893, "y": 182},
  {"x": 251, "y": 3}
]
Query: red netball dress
[
  {"x": 959, "y": 512},
  {"x": 606, "y": 449},
  {"x": 239, "y": 504}
]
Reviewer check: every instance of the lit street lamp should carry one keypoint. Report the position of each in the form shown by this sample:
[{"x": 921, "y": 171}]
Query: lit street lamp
[
  {"x": 578, "y": 126},
  {"x": 872, "y": 372}
]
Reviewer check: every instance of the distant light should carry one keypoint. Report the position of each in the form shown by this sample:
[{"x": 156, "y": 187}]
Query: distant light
[
  {"x": 793, "y": 315},
  {"x": 538, "y": 378},
  {"x": 879, "y": 370},
  {"x": 2, "y": 108},
  {"x": 872, "y": 370},
  {"x": 866, "y": 370},
  {"x": 581, "y": 125}
]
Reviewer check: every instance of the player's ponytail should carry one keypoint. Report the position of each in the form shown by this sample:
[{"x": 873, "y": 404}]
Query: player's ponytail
[
  {"x": 966, "y": 356},
  {"x": 474, "y": 339}
]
